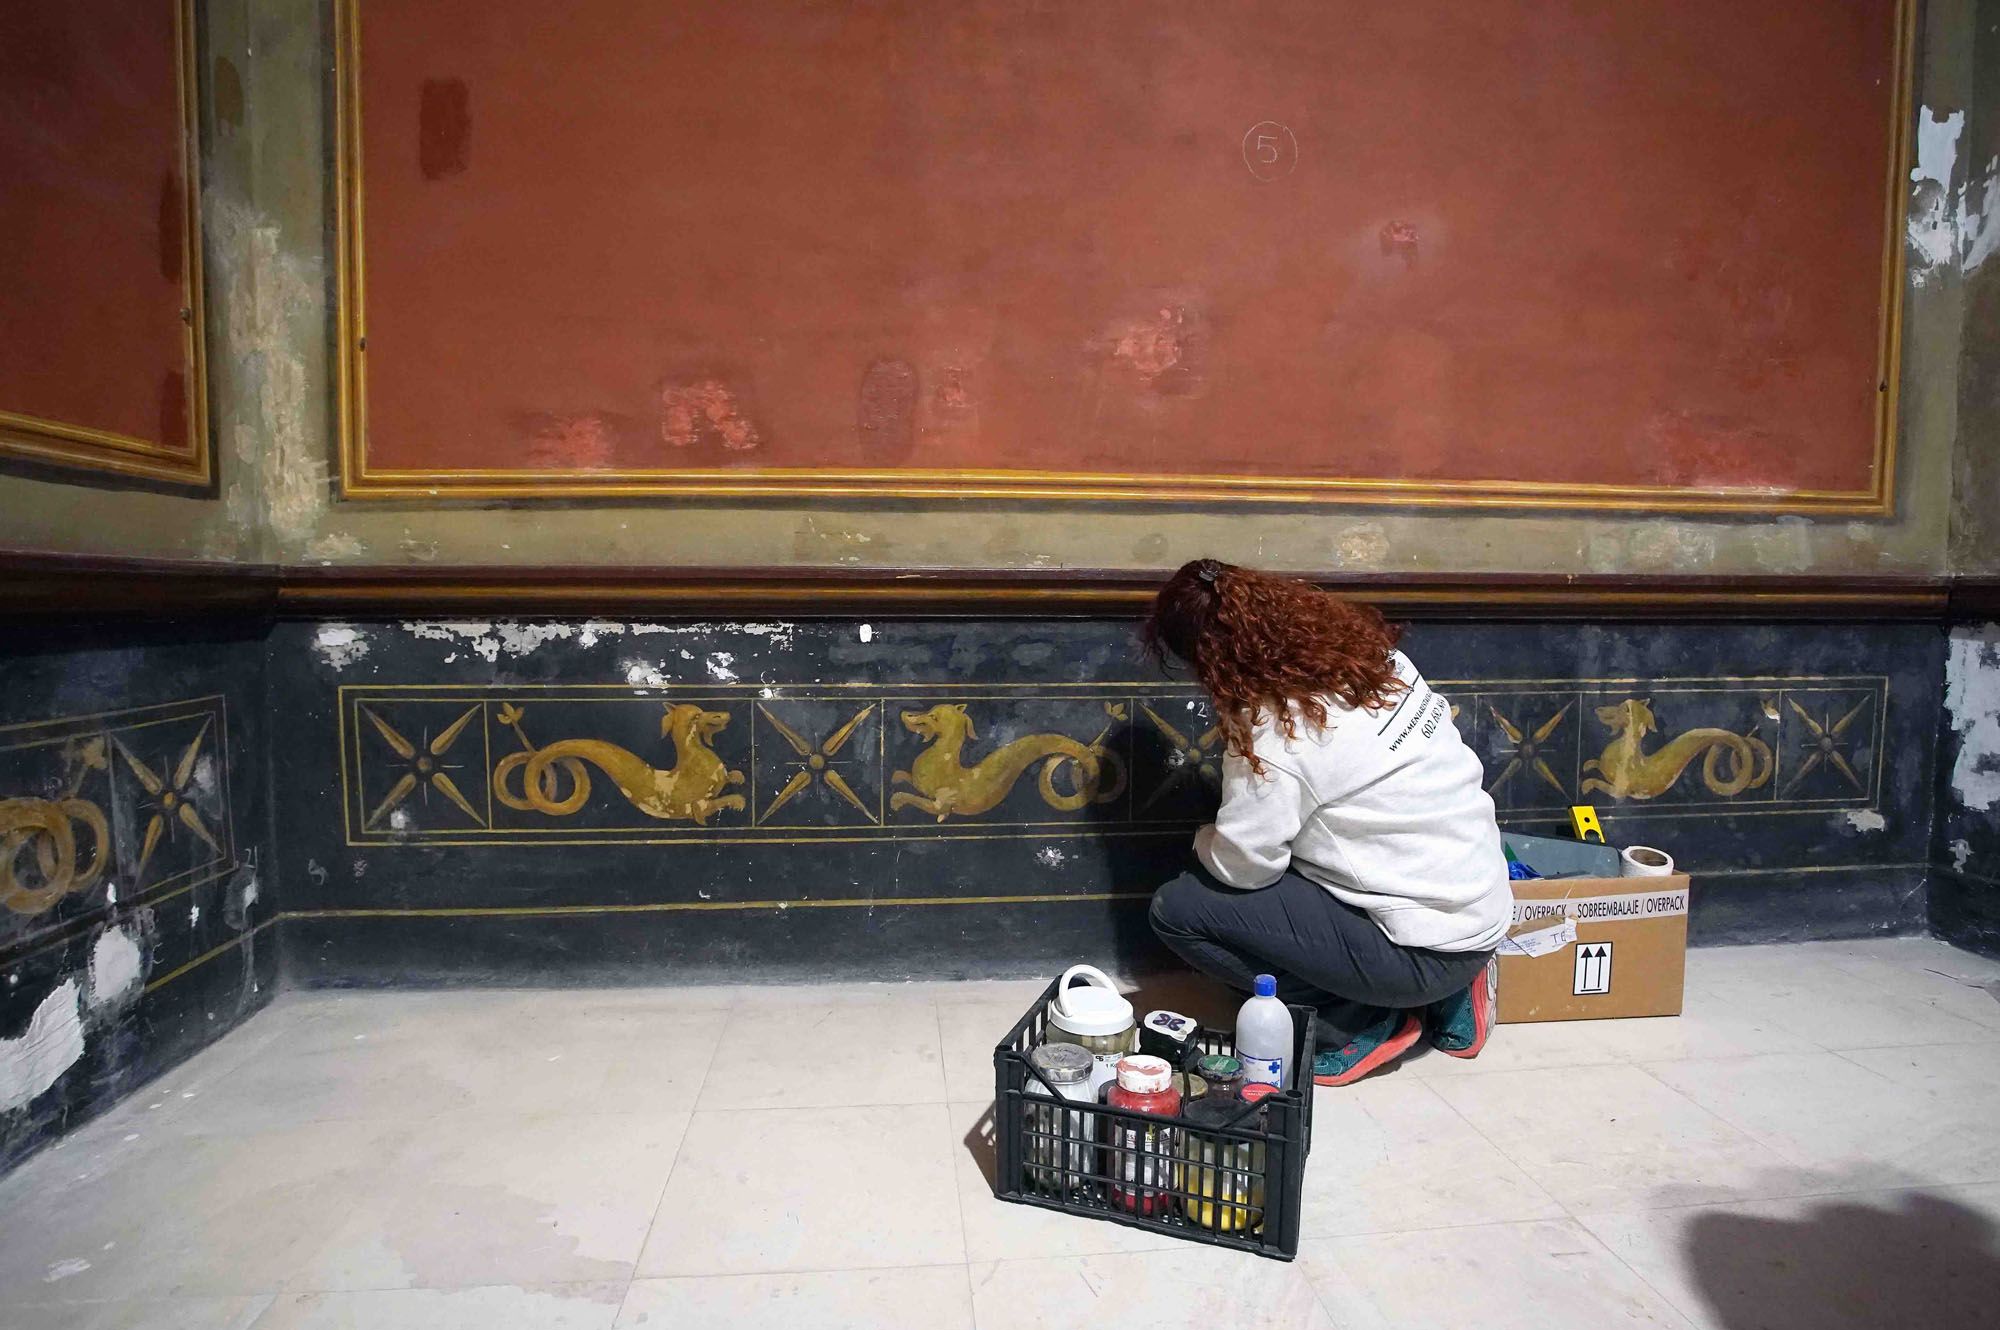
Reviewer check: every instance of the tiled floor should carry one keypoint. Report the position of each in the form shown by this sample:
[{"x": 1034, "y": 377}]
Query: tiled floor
[{"x": 1816, "y": 1143}]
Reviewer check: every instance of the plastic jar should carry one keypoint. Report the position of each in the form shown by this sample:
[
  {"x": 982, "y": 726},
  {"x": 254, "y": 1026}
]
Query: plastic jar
[
  {"x": 1222, "y": 1178},
  {"x": 1095, "y": 1017},
  {"x": 1223, "y": 1073},
  {"x": 1140, "y": 1155},
  {"x": 1059, "y": 1144}
]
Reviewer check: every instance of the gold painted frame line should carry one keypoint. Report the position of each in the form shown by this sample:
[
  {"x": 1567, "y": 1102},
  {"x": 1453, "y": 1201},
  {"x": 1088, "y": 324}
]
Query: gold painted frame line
[
  {"x": 359, "y": 481},
  {"x": 85, "y": 448}
]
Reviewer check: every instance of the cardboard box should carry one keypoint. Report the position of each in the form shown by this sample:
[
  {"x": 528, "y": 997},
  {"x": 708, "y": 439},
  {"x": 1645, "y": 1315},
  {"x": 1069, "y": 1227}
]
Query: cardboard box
[{"x": 1588, "y": 947}]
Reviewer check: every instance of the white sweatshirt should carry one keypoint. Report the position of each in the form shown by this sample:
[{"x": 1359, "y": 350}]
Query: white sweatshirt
[{"x": 1386, "y": 809}]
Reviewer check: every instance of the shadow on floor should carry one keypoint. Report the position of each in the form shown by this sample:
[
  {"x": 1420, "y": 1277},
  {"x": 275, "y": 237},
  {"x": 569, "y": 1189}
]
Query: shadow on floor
[{"x": 1923, "y": 1260}]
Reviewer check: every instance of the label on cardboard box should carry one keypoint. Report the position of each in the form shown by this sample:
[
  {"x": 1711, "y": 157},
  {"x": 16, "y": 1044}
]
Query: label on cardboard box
[
  {"x": 1605, "y": 909},
  {"x": 1540, "y": 942}
]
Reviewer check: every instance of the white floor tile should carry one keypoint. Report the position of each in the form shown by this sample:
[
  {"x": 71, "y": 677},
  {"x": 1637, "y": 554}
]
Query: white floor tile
[
  {"x": 928, "y": 1298},
  {"x": 560, "y": 1307},
  {"x": 1706, "y": 1028},
  {"x": 758, "y": 1190},
  {"x": 149, "y": 1314},
  {"x": 1199, "y": 1288},
  {"x": 1391, "y": 1154},
  {"x": 1955, "y": 982},
  {"x": 838, "y": 1055},
  {"x": 1613, "y": 1137},
  {"x": 1835, "y": 1009},
  {"x": 1517, "y": 1048},
  {"x": 481, "y": 1201},
  {"x": 1879, "y": 1118},
  {"x": 970, "y": 1031},
  {"x": 1860, "y": 1261},
  {"x": 1541, "y": 1276},
  {"x": 190, "y": 1215},
  {"x": 519, "y": 1055}
]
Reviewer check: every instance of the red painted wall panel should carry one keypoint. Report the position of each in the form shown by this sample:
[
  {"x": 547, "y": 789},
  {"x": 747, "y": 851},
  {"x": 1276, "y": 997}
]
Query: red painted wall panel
[
  {"x": 1551, "y": 244},
  {"x": 95, "y": 222}
]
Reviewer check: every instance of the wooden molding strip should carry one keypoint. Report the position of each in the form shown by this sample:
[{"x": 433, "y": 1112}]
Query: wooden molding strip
[{"x": 68, "y": 585}]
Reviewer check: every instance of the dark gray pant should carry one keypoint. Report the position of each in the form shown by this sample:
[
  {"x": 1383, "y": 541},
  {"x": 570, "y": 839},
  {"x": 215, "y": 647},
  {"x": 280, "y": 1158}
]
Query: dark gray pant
[{"x": 1325, "y": 953}]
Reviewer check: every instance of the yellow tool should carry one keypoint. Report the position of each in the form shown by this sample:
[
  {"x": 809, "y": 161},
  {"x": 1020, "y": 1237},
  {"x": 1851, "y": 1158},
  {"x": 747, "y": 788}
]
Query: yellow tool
[{"x": 1583, "y": 818}]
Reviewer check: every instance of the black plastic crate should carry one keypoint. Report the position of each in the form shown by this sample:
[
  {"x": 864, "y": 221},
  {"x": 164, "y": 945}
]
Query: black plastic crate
[{"x": 1232, "y": 1185}]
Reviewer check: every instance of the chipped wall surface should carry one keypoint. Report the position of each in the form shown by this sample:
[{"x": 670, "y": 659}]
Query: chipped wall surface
[
  {"x": 133, "y": 809},
  {"x": 733, "y": 799},
  {"x": 1966, "y": 899},
  {"x": 1975, "y": 527}
]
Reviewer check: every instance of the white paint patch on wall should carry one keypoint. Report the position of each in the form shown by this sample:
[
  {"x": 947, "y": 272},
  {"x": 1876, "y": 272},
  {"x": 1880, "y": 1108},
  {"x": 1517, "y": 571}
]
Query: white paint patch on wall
[
  {"x": 643, "y": 674},
  {"x": 719, "y": 664},
  {"x": 489, "y": 640},
  {"x": 1783, "y": 546},
  {"x": 340, "y": 644},
  {"x": 778, "y": 634},
  {"x": 867, "y": 632},
  {"x": 1972, "y": 697},
  {"x": 1363, "y": 543},
  {"x": 116, "y": 964},
  {"x": 50, "y": 1046},
  {"x": 1961, "y": 853},
  {"x": 1866, "y": 819},
  {"x": 1933, "y": 220}
]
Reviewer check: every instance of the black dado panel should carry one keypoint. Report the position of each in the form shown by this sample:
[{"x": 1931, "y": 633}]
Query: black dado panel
[
  {"x": 134, "y": 864},
  {"x": 543, "y": 802}
]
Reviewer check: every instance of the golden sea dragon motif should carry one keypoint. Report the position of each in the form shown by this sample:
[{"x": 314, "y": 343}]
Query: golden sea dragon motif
[
  {"x": 946, "y": 787},
  {"x": 1730, "y": 763},
  {"x": 690, "y": 790},
  {"x": 48, "y": 826}
]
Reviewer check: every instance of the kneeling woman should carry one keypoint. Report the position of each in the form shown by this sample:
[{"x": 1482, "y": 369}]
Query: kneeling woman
[{"x": 1355, "y": 855}]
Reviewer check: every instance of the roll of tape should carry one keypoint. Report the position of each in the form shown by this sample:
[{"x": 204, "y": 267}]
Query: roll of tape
[{"x": 1644, "y": 861}]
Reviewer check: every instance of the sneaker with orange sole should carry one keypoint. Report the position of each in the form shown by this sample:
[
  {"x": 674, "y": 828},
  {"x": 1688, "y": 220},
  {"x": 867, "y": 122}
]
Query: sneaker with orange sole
[
  {"x": 1374, "y": 1048},
  {"x": 1458, "y": 1026}
]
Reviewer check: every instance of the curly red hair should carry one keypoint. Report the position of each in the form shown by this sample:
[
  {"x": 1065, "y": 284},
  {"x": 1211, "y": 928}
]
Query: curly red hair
[{"x": 1260, "y": 642}]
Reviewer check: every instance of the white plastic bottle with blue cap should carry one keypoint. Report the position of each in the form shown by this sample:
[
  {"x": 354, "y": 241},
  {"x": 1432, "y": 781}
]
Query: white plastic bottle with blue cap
[{"x": 1264, "y": 1036}]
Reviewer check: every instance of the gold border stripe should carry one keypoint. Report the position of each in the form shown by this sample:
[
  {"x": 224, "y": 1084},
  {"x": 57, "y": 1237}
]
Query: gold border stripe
[
  {"x": 212, "y": 953},
  {"x": 689, "y": 907}
]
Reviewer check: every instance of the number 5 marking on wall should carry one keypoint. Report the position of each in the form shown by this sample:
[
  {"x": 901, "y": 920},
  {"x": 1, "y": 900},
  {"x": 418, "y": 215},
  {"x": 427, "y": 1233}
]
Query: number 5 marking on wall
[{"x": 1270, "y": 151}]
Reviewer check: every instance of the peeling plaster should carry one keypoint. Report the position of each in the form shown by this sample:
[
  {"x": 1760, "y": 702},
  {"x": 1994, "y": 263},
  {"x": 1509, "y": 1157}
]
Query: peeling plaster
[
  {"x": 643, "y": 674},
  {"x": 489, "y": 640},
  {"x": 50, "y": 1046},
  {"x": 272, "y": 432},
  {"x": 1362, "y": 543},
  {"x": 1972, "y": 697},
  {"x": 1866, "y": 819},
  {"x": 340, "y": 644},
  {"x": 334, "y": 547},
  {"x": 1961, "y": 853},
  {"x": 1933, "y": 223},
  {"x": 1979, "y": 226},
  {"x": 116, "y": 964},
  {"x": 1785, "y": 546}
]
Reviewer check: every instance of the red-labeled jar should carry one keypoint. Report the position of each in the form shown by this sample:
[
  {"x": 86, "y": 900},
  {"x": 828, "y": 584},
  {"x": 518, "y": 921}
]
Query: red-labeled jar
[{"x": 1141, "y": 1158}]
